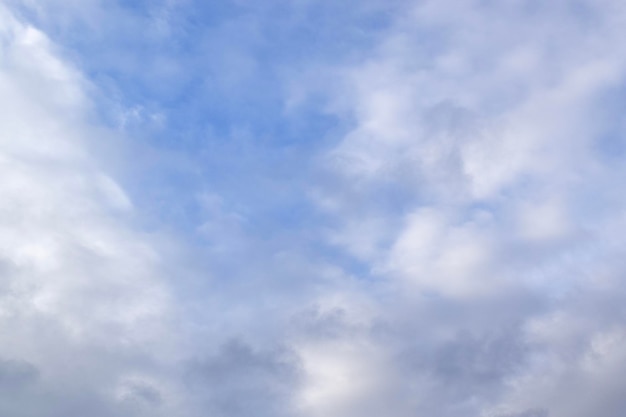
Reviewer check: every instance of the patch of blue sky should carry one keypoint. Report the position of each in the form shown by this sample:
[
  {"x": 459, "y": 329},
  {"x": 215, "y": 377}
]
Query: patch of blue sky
[
  {"x": 201, "y": 92},
  {"x": 219, "y": 64},
  {"x": 207, "y": 81}
]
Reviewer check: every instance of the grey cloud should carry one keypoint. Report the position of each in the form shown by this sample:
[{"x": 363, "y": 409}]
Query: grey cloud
[
  {"x": 239, "y": 381},
  {"x": 528, "y": 413},
  {"x": 16, "y": 374},
  {"x": 473, "y": 362}
]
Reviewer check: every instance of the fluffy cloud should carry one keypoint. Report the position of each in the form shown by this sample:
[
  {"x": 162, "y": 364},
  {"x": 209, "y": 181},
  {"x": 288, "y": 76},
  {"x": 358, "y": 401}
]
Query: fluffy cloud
[{"x": 492, "y": 124}]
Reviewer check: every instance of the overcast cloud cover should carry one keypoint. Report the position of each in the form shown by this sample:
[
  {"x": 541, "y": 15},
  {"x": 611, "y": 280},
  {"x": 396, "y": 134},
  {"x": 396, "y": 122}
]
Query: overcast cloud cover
[{"x": 312, "y": 208}]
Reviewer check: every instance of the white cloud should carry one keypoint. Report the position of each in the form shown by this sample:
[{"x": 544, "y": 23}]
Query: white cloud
[
  {"x": 82, "y": 293},
  {"x": 487, "y": 118}
]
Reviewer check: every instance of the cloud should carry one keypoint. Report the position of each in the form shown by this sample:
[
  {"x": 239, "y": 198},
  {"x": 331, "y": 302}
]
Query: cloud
[
  {"x": 450, "y": 246},
  {"x": 81, "y": 290},
  {"x": 486, "y": 121},
  {"x": 239, "y": 381}
]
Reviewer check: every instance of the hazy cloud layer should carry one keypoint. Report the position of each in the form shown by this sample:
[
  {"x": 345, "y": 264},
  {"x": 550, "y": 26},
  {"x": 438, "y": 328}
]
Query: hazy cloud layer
[{"x": 303, "y": 209}]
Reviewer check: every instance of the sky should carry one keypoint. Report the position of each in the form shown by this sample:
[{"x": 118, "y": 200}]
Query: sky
[{"x": 312, "y": 208}]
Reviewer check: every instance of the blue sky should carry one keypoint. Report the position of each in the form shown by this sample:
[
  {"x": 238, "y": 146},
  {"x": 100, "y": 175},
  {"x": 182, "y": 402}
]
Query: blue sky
[{"x": 312, "y": 208}]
